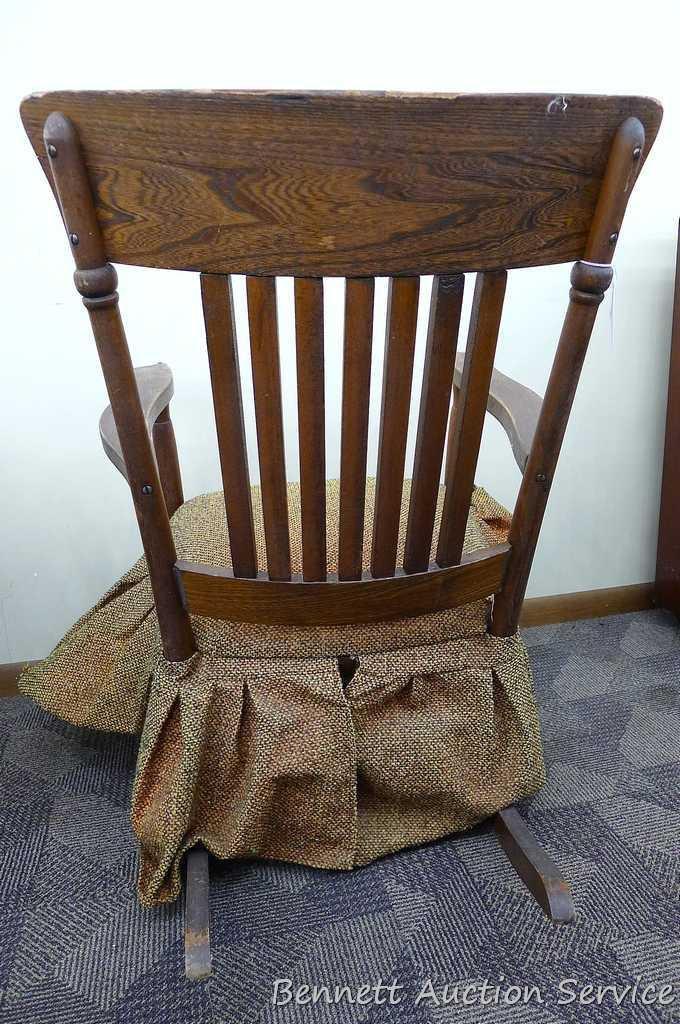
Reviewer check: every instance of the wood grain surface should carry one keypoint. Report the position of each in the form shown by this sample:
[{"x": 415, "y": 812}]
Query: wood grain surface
[
  {"x": 225, "y": 378},
  {"x": 356, "y": 393},
  {"x": 345, "y": 184},
  {"x": 218, "y": 593}
]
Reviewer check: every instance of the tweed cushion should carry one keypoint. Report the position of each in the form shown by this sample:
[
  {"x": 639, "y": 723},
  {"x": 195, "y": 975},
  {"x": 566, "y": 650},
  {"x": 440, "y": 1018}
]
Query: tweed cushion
[{"x": 255, "y": 748}]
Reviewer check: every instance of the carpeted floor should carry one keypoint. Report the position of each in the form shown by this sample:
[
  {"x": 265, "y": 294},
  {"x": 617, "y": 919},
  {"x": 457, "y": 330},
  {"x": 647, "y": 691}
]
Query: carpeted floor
[{"x": 76, "y": 947}]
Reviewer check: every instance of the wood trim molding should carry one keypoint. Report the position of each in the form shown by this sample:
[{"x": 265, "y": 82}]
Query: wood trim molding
[
  {"x": 668, "y": 550},
  {"x": 9, "y": 673},
  {"x": 586, "y": 604},
  {"x": 536, "y": 611}
]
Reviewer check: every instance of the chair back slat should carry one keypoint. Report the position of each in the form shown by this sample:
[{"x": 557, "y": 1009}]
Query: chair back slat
[
  {"x": 435, "y": 399},
  {"x": 468, "y": 414},
  {"x": 400, "y": 337},
  {"x": 225, "y": 377},
  {"x": 309, "y": 345},
  {"x": 356, "y": 388},
  {"x": 264, "y": 349}
]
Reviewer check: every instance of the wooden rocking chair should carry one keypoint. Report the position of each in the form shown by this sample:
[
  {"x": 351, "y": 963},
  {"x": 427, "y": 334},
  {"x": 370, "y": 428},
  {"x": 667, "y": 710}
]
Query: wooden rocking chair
[{"x": 353, "y": 185}]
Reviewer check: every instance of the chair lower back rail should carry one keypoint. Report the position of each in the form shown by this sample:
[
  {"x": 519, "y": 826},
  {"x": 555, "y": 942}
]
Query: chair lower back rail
[{"x": 221, "y": 595}]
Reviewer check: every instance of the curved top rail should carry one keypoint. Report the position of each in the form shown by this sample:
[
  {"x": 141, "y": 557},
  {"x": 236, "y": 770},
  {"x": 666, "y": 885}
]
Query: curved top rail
[{"x": 348, "y": 184}]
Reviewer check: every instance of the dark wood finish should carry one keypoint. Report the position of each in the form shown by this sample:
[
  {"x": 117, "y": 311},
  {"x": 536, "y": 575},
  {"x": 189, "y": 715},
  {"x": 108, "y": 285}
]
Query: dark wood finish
[
  {"x": 468, "y": 414},
  {"x": 516, "y": 408},
  {"x": 220, "y": 332},
  {"x": 347, "y": 184},
  {"x": 537, "y": 870},
  {"x": 540, "y": 467},
  {"x": 167, "y": 459},
  {"x": 197, "y": 955},
  {"x": 96, "y": 281},
  {"x": 589, "y": 278},
  {"x": 155, "y": 387},
  {"x": 586, "y": 604},
  {"x": 144, "y": 480},
  {"x": 264, "y": 347},
  {"x": 216, "y": 592},
  {"x": 311, "y": 424},
  {"x": 667, "y": 584},
  {"x": 356, "y": 389},
  {"x": 435, "y": 398},
  {"x": 400, "y": 339}
]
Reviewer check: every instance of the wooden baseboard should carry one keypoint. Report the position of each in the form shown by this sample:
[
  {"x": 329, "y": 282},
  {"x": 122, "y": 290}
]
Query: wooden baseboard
[
  {"x": 9, "y": 673},
  {"x": 587, "y": 604},
  {"x": 536, "y": 611}
]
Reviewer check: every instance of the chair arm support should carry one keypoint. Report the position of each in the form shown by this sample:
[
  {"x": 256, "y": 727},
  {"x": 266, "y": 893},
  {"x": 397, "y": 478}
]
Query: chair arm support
[
  {"x": 514, "y": 406},
  {"x": 155, "y": 391}
]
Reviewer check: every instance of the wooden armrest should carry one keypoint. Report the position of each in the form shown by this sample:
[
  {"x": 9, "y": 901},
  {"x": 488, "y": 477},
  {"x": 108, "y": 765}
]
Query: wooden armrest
[
  {"x": 515, "y": 407},
  {"x": 155, "y": 391}
]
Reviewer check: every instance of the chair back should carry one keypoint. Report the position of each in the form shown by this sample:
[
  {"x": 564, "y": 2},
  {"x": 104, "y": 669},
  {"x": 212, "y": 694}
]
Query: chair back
[{"x": 313, "y": 185}]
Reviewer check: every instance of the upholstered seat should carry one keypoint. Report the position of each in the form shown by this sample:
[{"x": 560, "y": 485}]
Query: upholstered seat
[
  {"x": 255, "y": 747},
  {"x": 201, "y": 535}
]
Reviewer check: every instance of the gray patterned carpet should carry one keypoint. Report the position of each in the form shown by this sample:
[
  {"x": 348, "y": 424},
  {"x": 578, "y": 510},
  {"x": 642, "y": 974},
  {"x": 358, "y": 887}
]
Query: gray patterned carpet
[{"x": 76, "y": 947}]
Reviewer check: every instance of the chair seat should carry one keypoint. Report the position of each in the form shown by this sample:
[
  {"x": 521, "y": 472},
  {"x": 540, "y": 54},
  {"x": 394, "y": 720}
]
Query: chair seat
[
  {"x": 200, "y": 526},
  {"x": 258, "y": 746}
]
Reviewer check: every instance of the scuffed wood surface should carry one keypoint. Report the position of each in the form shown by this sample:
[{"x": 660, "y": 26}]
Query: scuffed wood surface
[{"x": 341, "y": 183}]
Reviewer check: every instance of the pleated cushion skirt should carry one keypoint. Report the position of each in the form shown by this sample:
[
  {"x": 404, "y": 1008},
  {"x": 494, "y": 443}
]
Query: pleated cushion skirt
[{"x": 254, "y": 747}]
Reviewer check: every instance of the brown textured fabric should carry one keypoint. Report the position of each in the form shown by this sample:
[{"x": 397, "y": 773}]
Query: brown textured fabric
[{"x": 254, "y": 748}]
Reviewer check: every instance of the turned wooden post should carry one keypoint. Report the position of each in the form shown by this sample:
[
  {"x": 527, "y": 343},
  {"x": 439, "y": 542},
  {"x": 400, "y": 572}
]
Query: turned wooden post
[
  {"x": 590, "y": 278},
  {"x": 96, "y": 281}
]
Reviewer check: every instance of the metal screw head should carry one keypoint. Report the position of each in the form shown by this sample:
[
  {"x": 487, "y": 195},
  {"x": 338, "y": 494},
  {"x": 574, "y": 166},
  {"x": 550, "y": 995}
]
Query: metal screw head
[
  {"x": 612, "y": 238},
  {"x": 52, "y": 150},
  {"x": 637, "y": 152},
  {"x": 147, "y": 489},
  {"x": 541, "y": 478},
  {"x": 73, "y": 238}
]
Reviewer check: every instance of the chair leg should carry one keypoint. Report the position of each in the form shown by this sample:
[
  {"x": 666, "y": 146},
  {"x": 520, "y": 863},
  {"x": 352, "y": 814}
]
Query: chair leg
[
  {"x": 537, "y": 870},
  {"x": 197, "y": 958}
]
